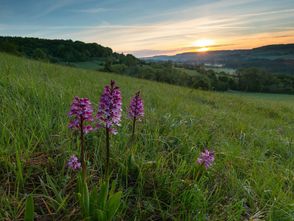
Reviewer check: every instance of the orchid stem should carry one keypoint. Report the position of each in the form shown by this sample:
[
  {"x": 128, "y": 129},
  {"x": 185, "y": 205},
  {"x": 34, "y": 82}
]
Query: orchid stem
[
  {"x": 82, "y": 150},
  {"x": 107, "y": 153},
  {"x": 134, "y": 127}
]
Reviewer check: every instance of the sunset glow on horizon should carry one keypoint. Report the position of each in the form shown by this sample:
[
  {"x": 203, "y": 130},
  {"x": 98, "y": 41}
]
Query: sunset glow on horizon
[
  {"x": 202, "y": 45},
  {"x": 203, "y": 49},
  {"x": 147, "y": 28}
]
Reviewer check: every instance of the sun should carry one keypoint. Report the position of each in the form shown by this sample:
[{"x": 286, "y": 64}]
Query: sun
[
  {"x": 202, "y": 45},
  {"x": 203, "y": 49}
]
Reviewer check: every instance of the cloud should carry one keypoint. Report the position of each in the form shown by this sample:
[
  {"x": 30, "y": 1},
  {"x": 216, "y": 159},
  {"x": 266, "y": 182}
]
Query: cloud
[
  {"x": 53, "y": 6},
  {"x": 92, "y": 10},
  {"x": 166, "y": 34},
  {"x": 150, "y": 52}
]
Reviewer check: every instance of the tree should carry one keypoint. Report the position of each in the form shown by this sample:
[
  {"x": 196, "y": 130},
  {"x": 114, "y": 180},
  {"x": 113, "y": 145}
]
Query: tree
[
  {"x": 108, "y": 64},
  {"x": 39, "y": 54}
]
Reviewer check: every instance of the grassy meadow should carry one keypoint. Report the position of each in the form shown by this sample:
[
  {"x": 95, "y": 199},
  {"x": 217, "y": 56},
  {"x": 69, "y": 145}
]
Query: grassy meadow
[
  {"x": 252, "y": 177},
  {"x": 92, "y": 65}
]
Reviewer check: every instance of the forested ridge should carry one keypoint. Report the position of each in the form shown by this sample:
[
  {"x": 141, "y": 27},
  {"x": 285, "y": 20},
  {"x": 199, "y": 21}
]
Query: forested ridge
[{"x": 58, "y": 50}]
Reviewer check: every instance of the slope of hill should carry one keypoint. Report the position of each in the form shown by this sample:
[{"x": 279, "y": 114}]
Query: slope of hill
[
  {"x": 251, "y": 178},
  {"x": 277, "y": 58}
]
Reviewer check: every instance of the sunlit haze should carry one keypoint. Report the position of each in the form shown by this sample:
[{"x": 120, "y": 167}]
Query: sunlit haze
[
  {"x": 202, "y": 45},
  {"x": 147, "y": 28}
]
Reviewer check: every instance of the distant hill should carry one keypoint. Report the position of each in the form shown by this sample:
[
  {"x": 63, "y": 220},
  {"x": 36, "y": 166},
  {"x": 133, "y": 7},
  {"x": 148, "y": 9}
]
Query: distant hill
[
  {"x": 62, "y": 50},
  {"x": 275, "y": 58}
]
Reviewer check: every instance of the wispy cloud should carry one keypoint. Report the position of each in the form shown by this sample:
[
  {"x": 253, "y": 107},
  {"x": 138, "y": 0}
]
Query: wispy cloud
[
  {"x": 53, "y": 6},
  {"x": 92, "y": 10}
]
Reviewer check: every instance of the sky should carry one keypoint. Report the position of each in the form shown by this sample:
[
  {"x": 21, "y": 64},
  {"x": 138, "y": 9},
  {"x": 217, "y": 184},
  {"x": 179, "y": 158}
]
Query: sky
[{"x": 153, "y": 27}]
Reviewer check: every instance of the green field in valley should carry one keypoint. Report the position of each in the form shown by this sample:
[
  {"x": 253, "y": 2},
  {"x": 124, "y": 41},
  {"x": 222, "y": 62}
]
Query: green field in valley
[
  {"x": 229, "y": 71},
  {"x": 252, "y": 136}
]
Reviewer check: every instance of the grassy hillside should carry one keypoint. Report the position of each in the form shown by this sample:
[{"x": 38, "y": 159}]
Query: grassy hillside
[{"x": 252, "y": 176}]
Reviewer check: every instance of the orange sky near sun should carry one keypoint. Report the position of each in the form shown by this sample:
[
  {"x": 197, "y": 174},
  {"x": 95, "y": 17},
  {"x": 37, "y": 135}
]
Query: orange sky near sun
[{"x": 231, "y": 43}]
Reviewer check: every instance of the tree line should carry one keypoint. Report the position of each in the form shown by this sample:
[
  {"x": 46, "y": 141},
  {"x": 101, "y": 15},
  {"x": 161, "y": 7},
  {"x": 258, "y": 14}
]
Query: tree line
[
  {"x": 60, "y": 50},
  {"x": 245, "y": 79}
]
